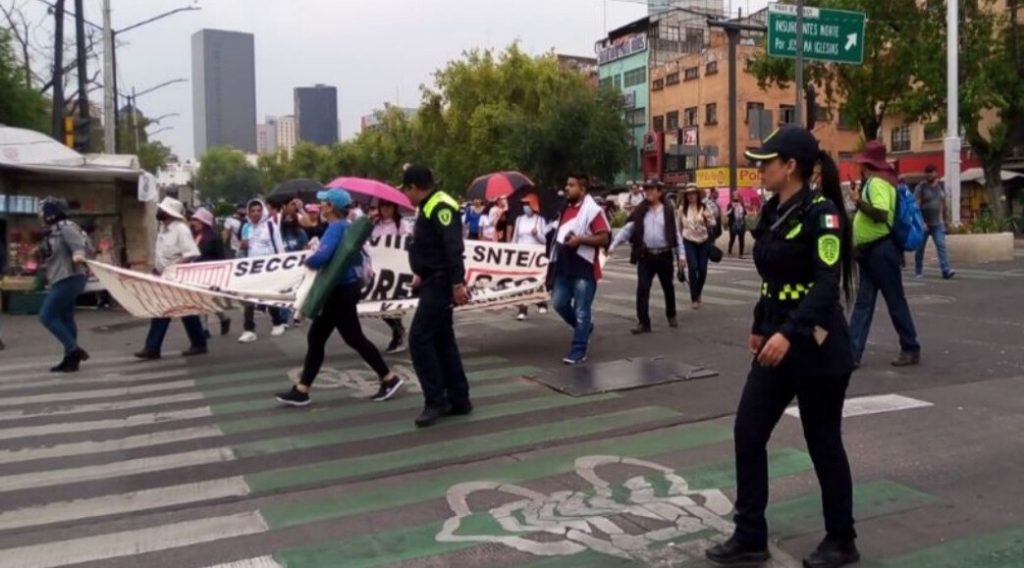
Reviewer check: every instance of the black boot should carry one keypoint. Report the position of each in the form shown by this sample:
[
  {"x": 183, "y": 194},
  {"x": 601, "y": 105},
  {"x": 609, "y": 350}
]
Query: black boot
[
  {"x": 62, "y": 366},
  {"x": 735, "y": 553},
  {"x": 833, "y": 553},
  {"x": 71, "y": 362}
]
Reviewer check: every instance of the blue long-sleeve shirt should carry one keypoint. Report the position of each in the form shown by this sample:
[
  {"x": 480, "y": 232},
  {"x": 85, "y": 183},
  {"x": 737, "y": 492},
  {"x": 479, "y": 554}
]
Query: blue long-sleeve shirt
[{"x": 329, "y": 243}]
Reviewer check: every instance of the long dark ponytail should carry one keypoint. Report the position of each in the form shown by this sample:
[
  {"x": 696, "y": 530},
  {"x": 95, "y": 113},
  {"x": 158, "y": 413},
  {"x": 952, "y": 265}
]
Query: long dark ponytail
[{"x": 833, "y": 191}]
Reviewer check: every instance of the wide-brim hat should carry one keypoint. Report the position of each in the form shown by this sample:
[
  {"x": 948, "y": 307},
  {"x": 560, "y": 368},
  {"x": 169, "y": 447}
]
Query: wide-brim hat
[
  {"x": 689, "y": 188},
  {"x": 874, "y": 156},
  {"x": 204, "y": 216},
  {"x": 172, "y": 207}
]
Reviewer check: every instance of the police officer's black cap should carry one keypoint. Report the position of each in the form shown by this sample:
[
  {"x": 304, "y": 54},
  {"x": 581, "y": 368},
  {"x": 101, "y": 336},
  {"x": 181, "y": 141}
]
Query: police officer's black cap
[
  {"x": 789, "y": 142},
  {"x": 420, "y": 176},
  {"x": 653, "y": 183}
]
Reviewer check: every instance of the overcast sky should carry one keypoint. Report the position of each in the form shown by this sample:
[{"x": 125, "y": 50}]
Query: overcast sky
[{"x": 374, "y": 51}]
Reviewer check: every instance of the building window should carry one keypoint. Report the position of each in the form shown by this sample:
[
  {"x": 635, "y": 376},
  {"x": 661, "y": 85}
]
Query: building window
[
  {"x": 605, "y": 83},
  {"x": 634, "y": 77},
  {"x": 934, "y": 130},
  {"x": 847, "y": 121},
  {"x": 672, "y": 78},
  {"x": 787, "y": 114},
  {"x": 753, "y": 106},
  {"x": 711, "y": 114},
  {"x": 691, "y": 73},
  {"x": 822, "y": 114},
  {"x": 659, "y": 124},
  {"x": 618, "y": 82},
  {"x": 711, "y": 68},
  {"x": 658, "y": 85},
  {"x": 636, "y": 117},
  {"x": 672, "y": 120},
  {"x": 691, "y": 116},
  {"x": 900, "y": 139},
  {"x": 671, "y": 33}
]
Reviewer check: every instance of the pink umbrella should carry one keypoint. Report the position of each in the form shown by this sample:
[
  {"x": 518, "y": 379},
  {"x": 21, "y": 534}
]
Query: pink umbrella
[{"x": 373, "y": 189}]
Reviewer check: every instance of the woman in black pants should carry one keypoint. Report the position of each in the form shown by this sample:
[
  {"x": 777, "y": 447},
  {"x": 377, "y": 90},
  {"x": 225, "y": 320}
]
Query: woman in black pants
[
  {"x": 339, "y": 312},
  {"x": 737, "y": 216}
]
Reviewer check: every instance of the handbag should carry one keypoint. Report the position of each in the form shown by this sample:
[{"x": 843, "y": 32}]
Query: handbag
[{"x": 715, "y": 254}]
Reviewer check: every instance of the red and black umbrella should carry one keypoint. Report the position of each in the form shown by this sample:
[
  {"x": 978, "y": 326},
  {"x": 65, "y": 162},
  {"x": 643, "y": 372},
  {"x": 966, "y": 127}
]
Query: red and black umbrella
[{"x": 497, "y": 185}]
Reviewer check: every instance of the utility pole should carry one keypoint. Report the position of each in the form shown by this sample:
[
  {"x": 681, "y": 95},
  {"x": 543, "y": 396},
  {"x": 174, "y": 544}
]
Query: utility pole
[
  {"x": 109, "y": 85},
  {"x": 58, "y": 71},
  {"x": 732, "y": 30},
  {"x": 952, "y": 147},
  {"x": 82, "y": 126},
  {"x": 798, "y": 111}
]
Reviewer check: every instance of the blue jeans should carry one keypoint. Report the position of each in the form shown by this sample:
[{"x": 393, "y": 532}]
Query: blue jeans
[
  {"x": 158, "y": 331},
  {"x": 880, "y": 272},
  {"x": 697, "y": 266},
  {"x": 938, "y": 234},
  {"x": 573, "y": 299},
  {"x": 58, "y": 312}
]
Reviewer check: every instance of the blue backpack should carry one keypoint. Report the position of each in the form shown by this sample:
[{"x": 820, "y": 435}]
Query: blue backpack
[{"x": 908, "y": 227}]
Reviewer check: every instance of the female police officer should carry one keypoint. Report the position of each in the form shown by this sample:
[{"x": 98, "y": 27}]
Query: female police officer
[{"x": 801, "y": 347}]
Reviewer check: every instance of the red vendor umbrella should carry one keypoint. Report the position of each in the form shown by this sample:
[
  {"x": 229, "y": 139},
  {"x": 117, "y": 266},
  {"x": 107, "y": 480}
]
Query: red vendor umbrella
[{"x": 497, "y": 185}]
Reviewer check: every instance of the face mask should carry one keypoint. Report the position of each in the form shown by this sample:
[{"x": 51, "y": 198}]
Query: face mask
[{"x": 527, "y": 210}]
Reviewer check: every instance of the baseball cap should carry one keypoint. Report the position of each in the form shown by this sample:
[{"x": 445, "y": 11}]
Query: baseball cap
[
  {"x": 789, "y": 141},
  {"x": 338, "y": 198},
  {"x": 420, "y": 176}
]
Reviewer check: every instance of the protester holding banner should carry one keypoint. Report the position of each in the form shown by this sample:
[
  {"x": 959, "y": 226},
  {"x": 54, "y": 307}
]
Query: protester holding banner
[
  {"x": 174, "y": 245},
  {"x": 436, "y": 258},
  {"x": 211, "y": 248},
  {"x": 530, "y": 228},
  {"x": 389, "y": 223},
  {"x": 582, "y": 230},
  {"x": 339, "y": 311},
  {"x": 64, "y": 251},
  {"x": 261, "y": 237}
]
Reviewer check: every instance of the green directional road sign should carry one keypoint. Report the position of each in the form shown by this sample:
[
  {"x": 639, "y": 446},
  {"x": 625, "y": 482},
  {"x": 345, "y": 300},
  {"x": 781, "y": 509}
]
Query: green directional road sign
[{"x": 835, "y": 36}]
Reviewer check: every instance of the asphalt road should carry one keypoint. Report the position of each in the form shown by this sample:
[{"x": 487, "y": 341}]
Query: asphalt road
[{"x": 190, "y": 464}]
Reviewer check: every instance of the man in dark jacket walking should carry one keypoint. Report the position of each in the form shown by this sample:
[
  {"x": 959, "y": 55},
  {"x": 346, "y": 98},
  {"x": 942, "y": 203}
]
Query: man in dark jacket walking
[{"x": 651, "y": 231}]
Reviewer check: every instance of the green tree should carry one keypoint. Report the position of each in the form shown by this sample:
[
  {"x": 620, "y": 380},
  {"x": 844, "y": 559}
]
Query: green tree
[
  {"x": 899, "y": 59},
  {"x": 224, "y": 173},
  {"x": 20, "y": 104},
  {"x": 153, "y": 156}
]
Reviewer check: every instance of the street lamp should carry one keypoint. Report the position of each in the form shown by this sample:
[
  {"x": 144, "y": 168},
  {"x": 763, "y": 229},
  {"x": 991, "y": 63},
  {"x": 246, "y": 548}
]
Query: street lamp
[{"x": 133, "y": 109}]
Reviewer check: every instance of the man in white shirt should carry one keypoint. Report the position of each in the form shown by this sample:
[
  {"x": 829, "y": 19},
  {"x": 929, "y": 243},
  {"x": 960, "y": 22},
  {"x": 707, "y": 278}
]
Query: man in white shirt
[
  {"x": 655, "y": 245},
  {"x": 174, "y": 245},
  {"x": 636, "y": 196},
  {"x": 233, "y": 230}
]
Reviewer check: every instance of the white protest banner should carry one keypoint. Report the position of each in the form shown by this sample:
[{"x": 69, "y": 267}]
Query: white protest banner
[{"x": 498, "y": 274}]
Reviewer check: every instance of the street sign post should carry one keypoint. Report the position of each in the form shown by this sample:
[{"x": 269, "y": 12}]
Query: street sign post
[{"x": 834, "y": 36}]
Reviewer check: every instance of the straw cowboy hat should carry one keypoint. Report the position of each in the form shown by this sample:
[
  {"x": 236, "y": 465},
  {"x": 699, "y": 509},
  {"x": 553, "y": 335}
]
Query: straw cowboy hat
[
  {"x": 874, "y": 155},
  {"x": 173, "y": 207},
  {"x": 690, "y": 188}
]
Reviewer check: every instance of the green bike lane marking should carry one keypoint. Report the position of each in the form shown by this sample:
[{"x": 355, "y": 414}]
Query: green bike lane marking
[
  {"x": 219, "y": 408},
  {"x": 348, "y": 468},
  {"x": 434, "y": 487},
  {"x": 420, "y": 541},
  {"x": 405, "y": 426},
  {"x": 1004, "y": 549}
]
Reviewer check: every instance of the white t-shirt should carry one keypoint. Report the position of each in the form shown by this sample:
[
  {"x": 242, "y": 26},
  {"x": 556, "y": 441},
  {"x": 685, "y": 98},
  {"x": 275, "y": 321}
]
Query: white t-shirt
[
  {"x": 486, "y": 228},
  {"x": 174, "y": 242},
  {"x": 525, "y": 227},
  {"x": 233, "y": 225}
]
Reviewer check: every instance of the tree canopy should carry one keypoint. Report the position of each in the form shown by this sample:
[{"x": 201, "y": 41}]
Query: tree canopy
[
  {"x": 20, "y": 104},
  {"x": 225, "y": 174}
]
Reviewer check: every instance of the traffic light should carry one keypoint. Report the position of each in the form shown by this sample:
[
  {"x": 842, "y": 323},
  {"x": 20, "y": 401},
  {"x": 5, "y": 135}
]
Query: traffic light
[
  {"x": 69, "y": 131},
  {"x": 811, "y": 98},
  {"x": 83, "y": 126}
]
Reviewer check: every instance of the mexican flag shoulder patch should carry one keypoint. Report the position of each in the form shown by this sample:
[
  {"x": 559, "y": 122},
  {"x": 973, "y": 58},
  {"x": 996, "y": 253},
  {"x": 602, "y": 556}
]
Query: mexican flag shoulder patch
[{"x": 830, "y": 221}]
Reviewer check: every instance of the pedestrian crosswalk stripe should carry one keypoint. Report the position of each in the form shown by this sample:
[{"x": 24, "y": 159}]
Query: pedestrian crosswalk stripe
[
  {"x": 349, "y": 468},
  {"x": 1003, "y": 549},
  {"x": 43, "y": 372},
  {"x": 659, "y": 300},
  {"x": 875, "y": 404},
  {"x": 123, "y": 503},
  {"x": 147, "y": 418},
  {"x": 260, "y": 562},
  {"x": 103, "y": 406},
  {"x": 115, "y": 445},
  {"x": 132, "y": 542},
  {"x": 404, "y": 426},
  {"x": 85, "y": 379},
  {"x": 95, "y": 393}
]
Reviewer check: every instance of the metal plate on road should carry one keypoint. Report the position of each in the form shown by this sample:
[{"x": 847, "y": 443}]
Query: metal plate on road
[
  {"x": 625, "y": 374},
  {"x": 835, "y": 36}
]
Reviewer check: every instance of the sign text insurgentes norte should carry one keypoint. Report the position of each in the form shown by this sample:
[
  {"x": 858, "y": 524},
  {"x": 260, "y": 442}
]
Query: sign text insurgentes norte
[
  {"x": 834, "y": 36},
  {"x": 622, "y": 47}
]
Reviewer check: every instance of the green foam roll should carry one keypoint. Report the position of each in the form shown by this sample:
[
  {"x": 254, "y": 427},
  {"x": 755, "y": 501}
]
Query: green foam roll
[{"x": 345, "y": 256}]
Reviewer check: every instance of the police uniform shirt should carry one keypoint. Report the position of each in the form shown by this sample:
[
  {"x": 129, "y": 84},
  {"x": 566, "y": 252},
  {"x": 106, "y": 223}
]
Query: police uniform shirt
[
  {"x": 799, "y": 262},
  {"x": 437, "y": 247}
]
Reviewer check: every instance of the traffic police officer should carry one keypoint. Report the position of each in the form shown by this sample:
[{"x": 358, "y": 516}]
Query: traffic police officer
[
  {"x": 435, "y": 257},
  {"x": 801, "y": 347}
]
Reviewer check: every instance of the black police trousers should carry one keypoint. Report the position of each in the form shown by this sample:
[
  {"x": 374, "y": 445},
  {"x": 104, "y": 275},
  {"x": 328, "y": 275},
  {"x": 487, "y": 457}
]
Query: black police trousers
[
  {"x": 435, "y": 356},
  {"x": 765, "y": 397},
  {"x": 647, "y": 267}
]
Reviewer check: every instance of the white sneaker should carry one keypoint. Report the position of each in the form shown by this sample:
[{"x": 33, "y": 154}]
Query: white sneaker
[
  {"x": 542, "y": 310},
  {"x": 278, "y": 330},
  {"x": 247, "y": 337},
  {"x": 521, "y": 317}
]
